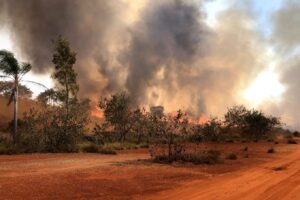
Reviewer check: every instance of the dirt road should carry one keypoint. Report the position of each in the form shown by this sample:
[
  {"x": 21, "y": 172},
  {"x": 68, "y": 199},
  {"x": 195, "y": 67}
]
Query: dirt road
[
  {"x": 276, "y": 180},
  {"x": 127, "y": 176}
]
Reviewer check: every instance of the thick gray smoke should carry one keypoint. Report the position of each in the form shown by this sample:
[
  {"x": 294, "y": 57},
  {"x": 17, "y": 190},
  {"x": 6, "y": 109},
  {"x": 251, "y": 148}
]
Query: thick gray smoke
[
  {"x": 169, "y": 38},
  {"x": 161, "y": 52}
]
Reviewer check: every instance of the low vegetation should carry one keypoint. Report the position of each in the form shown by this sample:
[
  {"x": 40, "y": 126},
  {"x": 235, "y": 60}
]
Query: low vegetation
[{"x": 231, "y": 156}]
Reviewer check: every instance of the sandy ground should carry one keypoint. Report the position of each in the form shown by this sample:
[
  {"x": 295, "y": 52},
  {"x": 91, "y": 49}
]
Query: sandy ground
[{"x": 128, "y": 175}]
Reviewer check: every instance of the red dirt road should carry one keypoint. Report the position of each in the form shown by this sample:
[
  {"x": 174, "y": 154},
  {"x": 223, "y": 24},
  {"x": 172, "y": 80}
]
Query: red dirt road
[
  {"x": 276, "y": 180},
  {"x": 127, "y": 176}
]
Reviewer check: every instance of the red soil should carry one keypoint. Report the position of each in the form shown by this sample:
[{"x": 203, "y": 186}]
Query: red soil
[{"x": 129, "y": 176}]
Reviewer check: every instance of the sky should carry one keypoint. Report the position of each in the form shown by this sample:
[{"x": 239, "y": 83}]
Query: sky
[
  {"x": 263, "y": 10},
  {"x": 244, "y": 52}
]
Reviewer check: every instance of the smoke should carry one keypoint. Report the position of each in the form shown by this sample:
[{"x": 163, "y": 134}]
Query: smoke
[
  {"x": 286, "y": 39},
  {"x": 160, "y": 52}
]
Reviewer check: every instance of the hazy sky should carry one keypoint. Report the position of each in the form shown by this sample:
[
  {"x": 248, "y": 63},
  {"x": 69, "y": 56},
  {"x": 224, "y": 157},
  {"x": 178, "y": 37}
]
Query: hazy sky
[{"x": 202, "y": 57}]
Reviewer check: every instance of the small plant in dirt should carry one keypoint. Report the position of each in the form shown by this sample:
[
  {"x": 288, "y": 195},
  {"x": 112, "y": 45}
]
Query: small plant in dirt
[
  {"x": 107, "y": 151},
  {"x": 231, "y": 156},
  {"x": 292, "y": 141},
  {"x": 276, "y": 142},
  {"x": 246, "y": 148},
  {"x": 89, "y": 148},
  {"x": 207, "y": 157},
  {"x": 271, "y": 150}
]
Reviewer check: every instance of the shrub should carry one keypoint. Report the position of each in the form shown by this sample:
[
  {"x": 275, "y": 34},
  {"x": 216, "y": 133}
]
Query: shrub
[
  {"x": 7, "y": 150},
  {"x": 292, "y": 141},
  {"x": 144, "y": 146},
  {"x": 246, "y": 148},
  {"x": 296, "y": 134},
  {"x": 271, "y": 150},
  {"x": 230, "y": 141},
  {"x": 206, "y": 157},
  {"x": 107, "y": 151},
  {"x": 231, "y": 156},
  {"x": 89, "y": 148},
  {"x": 276, "y": 142}
]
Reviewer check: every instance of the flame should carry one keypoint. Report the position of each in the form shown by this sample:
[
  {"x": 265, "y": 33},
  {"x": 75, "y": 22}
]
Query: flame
[
  {"x": 97, "y": 112},
  {"x": 203, "y": 119}
]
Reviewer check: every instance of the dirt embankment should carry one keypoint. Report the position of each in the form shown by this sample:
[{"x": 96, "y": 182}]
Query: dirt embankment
[{"x": 129, "y": 176}]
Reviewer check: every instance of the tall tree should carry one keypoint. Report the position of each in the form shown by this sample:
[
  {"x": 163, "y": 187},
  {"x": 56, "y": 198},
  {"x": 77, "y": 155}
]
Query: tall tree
[
  {"x": 14, "y": 70},
  {"x": 64, "y": 59}
]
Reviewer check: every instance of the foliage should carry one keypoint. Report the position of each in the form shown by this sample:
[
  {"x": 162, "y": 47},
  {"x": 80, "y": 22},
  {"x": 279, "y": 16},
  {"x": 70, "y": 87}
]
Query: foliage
[
  {"x": 253, "y": 123},
  {"x": 117, "y": 113},
  {"x": 212, "y": 130},
  {"x": 49, "y": 96},
  {"x": 63, "y": 59},
  {"x": 93, "y": 148},
  {"x": 14, "y": 70},
  {"x": 43, "y": 130},
  {"x": 203, "y": 157}
]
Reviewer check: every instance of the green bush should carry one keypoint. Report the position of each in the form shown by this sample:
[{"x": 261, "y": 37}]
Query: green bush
[{"x": 231, "y": 156}]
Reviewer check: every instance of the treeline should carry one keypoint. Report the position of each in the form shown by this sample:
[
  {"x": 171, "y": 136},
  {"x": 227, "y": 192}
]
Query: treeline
[{"x": 60, "y": 123}]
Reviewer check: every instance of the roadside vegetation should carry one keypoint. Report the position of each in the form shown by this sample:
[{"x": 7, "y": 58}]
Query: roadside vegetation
[{"x": 59, "y": 124}]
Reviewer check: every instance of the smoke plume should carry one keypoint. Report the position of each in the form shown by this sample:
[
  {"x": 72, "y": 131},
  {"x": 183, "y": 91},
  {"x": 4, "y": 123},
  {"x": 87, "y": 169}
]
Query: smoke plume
[{"x": 160, "y": 52}]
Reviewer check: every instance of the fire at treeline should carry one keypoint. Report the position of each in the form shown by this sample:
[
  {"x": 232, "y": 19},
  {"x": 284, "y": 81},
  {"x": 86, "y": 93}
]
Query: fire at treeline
[{"x": 59, "y": 121}]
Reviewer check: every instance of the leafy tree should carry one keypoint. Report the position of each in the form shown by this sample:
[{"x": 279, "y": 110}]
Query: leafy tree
[
  {"x": 14, "y": 70},
  {"x": 64, "y": 59},
  {"x": 254, "y": 123},
  {"x": 117, "y": 112},
  {"x": 235, "y": 116},
  {"x": 139, "y": 120},
  {"x": 212, "y": 129},
  {"x": 258, "y": 125},
  {"x": 170, "y": 127},
  {"x": 48, "y": 96},
  {"x": 42, "y": 128}
]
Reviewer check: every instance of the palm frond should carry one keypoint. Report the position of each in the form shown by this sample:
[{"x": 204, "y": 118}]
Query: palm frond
[
  {"x": 8, "y": 63},
  {"x": 36, "y": 83},
  {"x": 5, "y": 76},
  {"x": 25, "y": 68}
]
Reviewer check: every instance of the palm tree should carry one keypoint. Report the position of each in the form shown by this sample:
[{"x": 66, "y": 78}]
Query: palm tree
[{"x": 14, "y": 70}]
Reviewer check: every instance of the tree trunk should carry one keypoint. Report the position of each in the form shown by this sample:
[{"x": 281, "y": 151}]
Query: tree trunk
[{"x": 15, "y": 115}]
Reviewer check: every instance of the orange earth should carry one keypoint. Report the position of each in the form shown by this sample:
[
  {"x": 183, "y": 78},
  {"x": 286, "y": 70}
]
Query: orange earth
[{"x": 130, "y": 175}]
